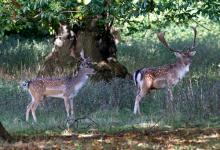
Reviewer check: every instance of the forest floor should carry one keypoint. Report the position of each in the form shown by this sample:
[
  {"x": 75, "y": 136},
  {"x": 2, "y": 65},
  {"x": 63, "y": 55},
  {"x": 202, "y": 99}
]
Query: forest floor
[{"x": 183, "y": 138}]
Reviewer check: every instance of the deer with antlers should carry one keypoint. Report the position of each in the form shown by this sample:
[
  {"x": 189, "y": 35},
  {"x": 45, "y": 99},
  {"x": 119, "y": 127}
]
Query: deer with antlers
[
  {"x": 167, "y": 76},
  {"x": 65, "y": 88}
]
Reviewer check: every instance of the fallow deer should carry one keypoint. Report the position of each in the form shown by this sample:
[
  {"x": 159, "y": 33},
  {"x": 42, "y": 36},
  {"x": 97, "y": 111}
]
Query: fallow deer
[
  {"x": 65, "y": 88},
  {"x": 167, "y": 76}
]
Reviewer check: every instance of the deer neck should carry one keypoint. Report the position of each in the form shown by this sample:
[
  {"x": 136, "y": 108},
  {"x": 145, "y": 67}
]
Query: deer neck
[
  {"x": 82, "y": 74},
  {"x": 181, "y": 68},
  {"x": 80, "y": 78},
  {"x": 76, "y": 83}
]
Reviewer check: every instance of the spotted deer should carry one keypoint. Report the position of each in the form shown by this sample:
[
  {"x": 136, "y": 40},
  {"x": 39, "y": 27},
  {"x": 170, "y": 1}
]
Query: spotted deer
[
  {"x": 65, "y": 88},
  {"x": 163, "y": 77}
]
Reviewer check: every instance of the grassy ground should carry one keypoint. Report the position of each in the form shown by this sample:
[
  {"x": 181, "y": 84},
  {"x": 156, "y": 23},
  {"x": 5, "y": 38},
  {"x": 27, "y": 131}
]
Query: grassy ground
[{"x": 107, "y": 107}]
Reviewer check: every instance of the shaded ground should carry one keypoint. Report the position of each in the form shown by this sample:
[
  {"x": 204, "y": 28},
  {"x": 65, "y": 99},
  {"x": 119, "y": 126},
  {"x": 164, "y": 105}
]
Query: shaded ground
[{"x": 191, "y": 138}]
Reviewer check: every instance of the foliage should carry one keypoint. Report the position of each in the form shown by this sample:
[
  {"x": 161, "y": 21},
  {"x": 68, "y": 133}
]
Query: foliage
[{"x": 40, "y": 17}]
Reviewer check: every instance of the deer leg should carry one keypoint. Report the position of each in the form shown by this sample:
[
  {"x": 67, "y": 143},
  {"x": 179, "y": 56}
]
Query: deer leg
[
  {"x": 138, "y": 98},
  {"x": 170, "y": 94},
  {"x": 169, "y": 99},
  {"x": 137, "y": 105},
  {"x": 71, "y": 108},
  {"x": 67, "y": 106},
  {"x": 143, "y": 89},
  {"x": 28, "y": 110},
  {"x": 33, "y": 109}
]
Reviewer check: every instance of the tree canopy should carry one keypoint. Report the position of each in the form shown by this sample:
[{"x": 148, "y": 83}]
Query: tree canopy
[{"x": 43, "y": 16}]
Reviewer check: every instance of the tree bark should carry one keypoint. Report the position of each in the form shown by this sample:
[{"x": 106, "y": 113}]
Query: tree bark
[
  {"x": 4, "y": 135},
  {"x": 98, "y": 43}
]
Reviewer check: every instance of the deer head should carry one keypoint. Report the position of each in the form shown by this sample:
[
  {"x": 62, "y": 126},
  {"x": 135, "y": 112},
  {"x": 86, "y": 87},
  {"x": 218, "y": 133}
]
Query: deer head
[
  {"x": 185, "y": 56},
  {"x": 86, "y": 65}
]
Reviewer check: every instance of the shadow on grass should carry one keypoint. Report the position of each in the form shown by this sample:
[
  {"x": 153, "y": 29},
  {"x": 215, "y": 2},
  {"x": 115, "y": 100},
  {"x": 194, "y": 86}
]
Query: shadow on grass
[{"x": 184, "y": 138}]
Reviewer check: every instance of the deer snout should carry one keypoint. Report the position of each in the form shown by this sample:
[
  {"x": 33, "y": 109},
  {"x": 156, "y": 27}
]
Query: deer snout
[{"x": 187, "y": 61}]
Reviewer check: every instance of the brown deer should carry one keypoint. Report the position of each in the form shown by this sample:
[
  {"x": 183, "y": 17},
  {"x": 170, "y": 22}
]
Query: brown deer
[
  {"x": 167, "y": 76},
  {"x": 65, "y": 88}
]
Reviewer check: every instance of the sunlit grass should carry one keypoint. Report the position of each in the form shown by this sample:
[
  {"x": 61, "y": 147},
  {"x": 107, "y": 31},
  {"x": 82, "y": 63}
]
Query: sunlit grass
[{"x": 110, "y": 105}]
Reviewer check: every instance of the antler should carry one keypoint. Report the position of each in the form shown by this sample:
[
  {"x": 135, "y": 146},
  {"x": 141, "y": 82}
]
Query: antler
[
  {"x": 160, "y": 36},
  {"x": 194, "y": 40}
]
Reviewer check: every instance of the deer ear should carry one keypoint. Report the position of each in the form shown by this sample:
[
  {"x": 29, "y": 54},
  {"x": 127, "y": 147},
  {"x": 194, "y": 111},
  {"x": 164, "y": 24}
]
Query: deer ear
[
  {"x": 178, "y": 54},
  {"x": 192, "y": 53}
]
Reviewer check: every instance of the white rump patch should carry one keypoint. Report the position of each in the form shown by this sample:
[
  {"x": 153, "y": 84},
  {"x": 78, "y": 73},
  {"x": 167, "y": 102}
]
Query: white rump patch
[
  {"x": 137, "y": 79},
  {"x": 134, "y": 78},
  {"x": 24, "y": 85}
]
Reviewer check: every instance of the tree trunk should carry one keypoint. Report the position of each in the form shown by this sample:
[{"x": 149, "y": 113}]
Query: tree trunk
[
  {"x": 97, "y": 43},
  {"x": 4, "y": 135}
]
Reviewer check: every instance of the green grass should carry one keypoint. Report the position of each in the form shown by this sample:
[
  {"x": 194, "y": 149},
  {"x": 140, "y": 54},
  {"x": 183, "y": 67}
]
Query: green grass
[
  {"x": 18, "y": 54},
  {"x": 108, "y": 115},
  {"x": 110, "y": 105}
]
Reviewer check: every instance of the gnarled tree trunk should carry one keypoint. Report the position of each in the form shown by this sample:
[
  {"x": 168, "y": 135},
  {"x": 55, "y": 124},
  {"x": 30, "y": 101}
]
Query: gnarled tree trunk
[{"x": 98, "y": 43}]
